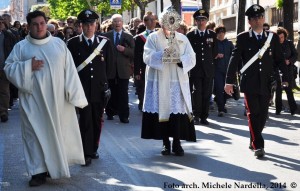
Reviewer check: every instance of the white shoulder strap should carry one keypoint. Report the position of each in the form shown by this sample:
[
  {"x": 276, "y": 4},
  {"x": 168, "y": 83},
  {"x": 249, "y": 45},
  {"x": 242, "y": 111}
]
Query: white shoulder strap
[
  {"x": 259, "y": 54},
  {"x": 92, "y": 56}
]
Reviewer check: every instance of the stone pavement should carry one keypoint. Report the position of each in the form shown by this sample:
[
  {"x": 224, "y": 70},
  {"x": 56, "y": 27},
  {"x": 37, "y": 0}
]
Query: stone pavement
[{"x": 219, "y": 160}]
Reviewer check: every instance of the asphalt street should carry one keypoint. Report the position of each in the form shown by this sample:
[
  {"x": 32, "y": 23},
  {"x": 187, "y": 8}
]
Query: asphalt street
[{"x": 219, "y": 160}]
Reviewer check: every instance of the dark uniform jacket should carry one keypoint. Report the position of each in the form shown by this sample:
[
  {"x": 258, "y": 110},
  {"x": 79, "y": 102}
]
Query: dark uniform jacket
[
  {"x": 206, "y": 50},
  {"x": 139, "y": 65},
  {"x": 258, "y": 77},
  {"x": 94, "y": 76},
  {"x": 122, "y": 61}
]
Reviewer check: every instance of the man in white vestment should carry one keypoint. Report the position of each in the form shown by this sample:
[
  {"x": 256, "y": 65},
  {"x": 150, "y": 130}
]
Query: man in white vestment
[
  {"x": 167, "y": 108},
  {"x": 43, "y": 70}
]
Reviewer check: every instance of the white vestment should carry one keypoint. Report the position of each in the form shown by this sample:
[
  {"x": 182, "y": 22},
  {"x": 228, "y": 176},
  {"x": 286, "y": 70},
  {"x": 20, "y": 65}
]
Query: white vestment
[
  {"x": 47, "y": 98},
  {"x": 167, "y": 87}
]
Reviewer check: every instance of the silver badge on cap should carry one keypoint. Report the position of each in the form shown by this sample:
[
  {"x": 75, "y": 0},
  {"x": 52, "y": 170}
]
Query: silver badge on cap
[
  {"x": 255, "y": 7},
  {"x": 88, "y": 13}
]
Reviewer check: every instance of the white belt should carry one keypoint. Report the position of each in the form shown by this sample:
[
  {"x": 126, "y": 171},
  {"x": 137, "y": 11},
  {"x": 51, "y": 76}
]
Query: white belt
[
  {"x": 259, "y": 54},
  {"x": 92, "y": 56}
]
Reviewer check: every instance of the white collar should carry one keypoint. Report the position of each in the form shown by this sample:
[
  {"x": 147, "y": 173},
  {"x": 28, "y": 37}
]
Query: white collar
[
  {"x": 39, "y": 41},
  {"x": 86, "y": 38}
]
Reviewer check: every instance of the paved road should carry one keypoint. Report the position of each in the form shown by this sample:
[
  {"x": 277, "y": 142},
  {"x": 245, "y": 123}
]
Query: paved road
[{"x": 219, "y": 160}]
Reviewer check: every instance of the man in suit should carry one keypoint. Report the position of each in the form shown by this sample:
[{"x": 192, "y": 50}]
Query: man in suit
[
  {"x": 139, "y": 65},
  {"x": 7, "y": 42},
  {"x": 204, "y": 43},
  {"x": 120, "y": 70},
  {"x": 93, "y": 77},
  {"x": 256, "y": 79}
]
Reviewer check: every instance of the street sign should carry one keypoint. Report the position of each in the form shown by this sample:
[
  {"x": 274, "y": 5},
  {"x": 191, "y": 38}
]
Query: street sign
[{"x": 115, "y": 4}]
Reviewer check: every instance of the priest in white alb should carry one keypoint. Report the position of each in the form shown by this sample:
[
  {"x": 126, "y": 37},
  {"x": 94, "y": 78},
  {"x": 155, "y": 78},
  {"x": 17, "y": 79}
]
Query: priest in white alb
[
  {"x": 167, "y": 108},
  {"x": 43, "y": 70}
]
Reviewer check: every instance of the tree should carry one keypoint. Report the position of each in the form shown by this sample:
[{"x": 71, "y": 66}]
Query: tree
[
  {"x": 288, "y": 16},
  {"x": 61, "y": 9},
  {"x": 176, "y": 6},
  {"x": 206, "y": 5},
  {"x": 142, "y": 4},
  {"x": 241, "y": 16}
]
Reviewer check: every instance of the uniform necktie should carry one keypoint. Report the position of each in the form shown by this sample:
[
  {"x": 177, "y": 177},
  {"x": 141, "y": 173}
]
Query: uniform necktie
[
  {"x": 201, "y": 34},
  {"x": 259, "y": 37},
  {"x": 90, "y": 42},
  {"x": 117, "y": 42}
]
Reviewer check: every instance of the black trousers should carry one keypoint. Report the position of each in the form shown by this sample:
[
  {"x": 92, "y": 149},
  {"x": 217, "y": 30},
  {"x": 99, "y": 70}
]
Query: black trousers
[
  {"x": 290, "y": 97},
  {"x": 90, "y": 123},
  {"x": 201, "y": 90},
  {"x": 118, "y": 102},
  {"x": 219, "y": 84},
  {"x": 257, "y": 110},
  {"x": 140, "y": 89}
]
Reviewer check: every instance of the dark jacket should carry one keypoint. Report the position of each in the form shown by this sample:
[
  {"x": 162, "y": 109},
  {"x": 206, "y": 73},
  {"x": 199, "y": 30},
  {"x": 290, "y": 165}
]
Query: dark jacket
[
  {"x": 206, "y": 49},
  {"x": 258, "y": 77},
  {"x": 122, "y": 61},
  {"x": 9, "y": 43},
  {"x": 225, "y": 47},
  {"x": 290, "y": 53},
  {"x": 94, "y": 76}
]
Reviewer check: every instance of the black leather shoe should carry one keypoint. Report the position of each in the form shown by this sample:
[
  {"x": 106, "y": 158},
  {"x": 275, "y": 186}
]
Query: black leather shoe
[
  {"x": 177, "y": 150},
  {"x": 196, "y": 120},
  {"x": 4, "y": 118},
  {"x": 293, "y": 111},
  {"x": 204, "y": 122},
  {"x": 38, "y": 179},
  {"x": 110, "y": 117},
  {"x": 166, "y": 150},
  {"x": 277, "y": 113},
  {"x": 88, "y": 161},
  {"x": 250, "y": 147},
  {"x": 124, "y": 120},
  {"x": 259, "y": 153},
  {"x": 95, "y": 155}
]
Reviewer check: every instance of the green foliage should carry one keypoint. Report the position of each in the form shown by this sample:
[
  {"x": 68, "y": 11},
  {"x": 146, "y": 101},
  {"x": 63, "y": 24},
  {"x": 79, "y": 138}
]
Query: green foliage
[
  {"x": 61, "y": 9},
  {"x": 41, "y": 7},
  {"x": 279, "y": 4}
]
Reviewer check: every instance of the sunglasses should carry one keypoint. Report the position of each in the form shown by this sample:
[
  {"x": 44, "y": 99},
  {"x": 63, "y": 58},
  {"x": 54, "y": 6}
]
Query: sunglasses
[
  {"x": 52, "y": 32},
  {"x": 1, "y": 22},
  {"x": 69, "y": 21}
]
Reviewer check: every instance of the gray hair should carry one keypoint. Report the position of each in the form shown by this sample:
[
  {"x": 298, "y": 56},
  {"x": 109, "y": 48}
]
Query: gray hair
[
  {"x": 116, "y": 16},
  {"x": 50, "y": 26}
]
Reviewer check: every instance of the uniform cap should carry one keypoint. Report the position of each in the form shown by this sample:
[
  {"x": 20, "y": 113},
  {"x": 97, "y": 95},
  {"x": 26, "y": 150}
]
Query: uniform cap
[
  {"x": 255, "y": 11},
  {"x": 201, "y": 13},
  {"x": 87, "y": 16}
]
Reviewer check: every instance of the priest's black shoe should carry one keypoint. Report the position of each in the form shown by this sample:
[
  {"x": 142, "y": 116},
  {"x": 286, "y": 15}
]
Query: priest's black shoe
[
  {"x": 95, "y": 155},
  {"x": 196, "y": 120},
  {"x": 166, "y": 150},
  {"x": 4, "y": 118},
  {"x": 124, "y": 120},
  {"x": 88, "y": 161},
  {"x": 177, "y": 149},
  {"x": 204, "y": 122},
  {"x": 38, "y": 179}
]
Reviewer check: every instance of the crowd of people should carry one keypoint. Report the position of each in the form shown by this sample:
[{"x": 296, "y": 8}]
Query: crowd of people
[{"x": 80, "y": 66}]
